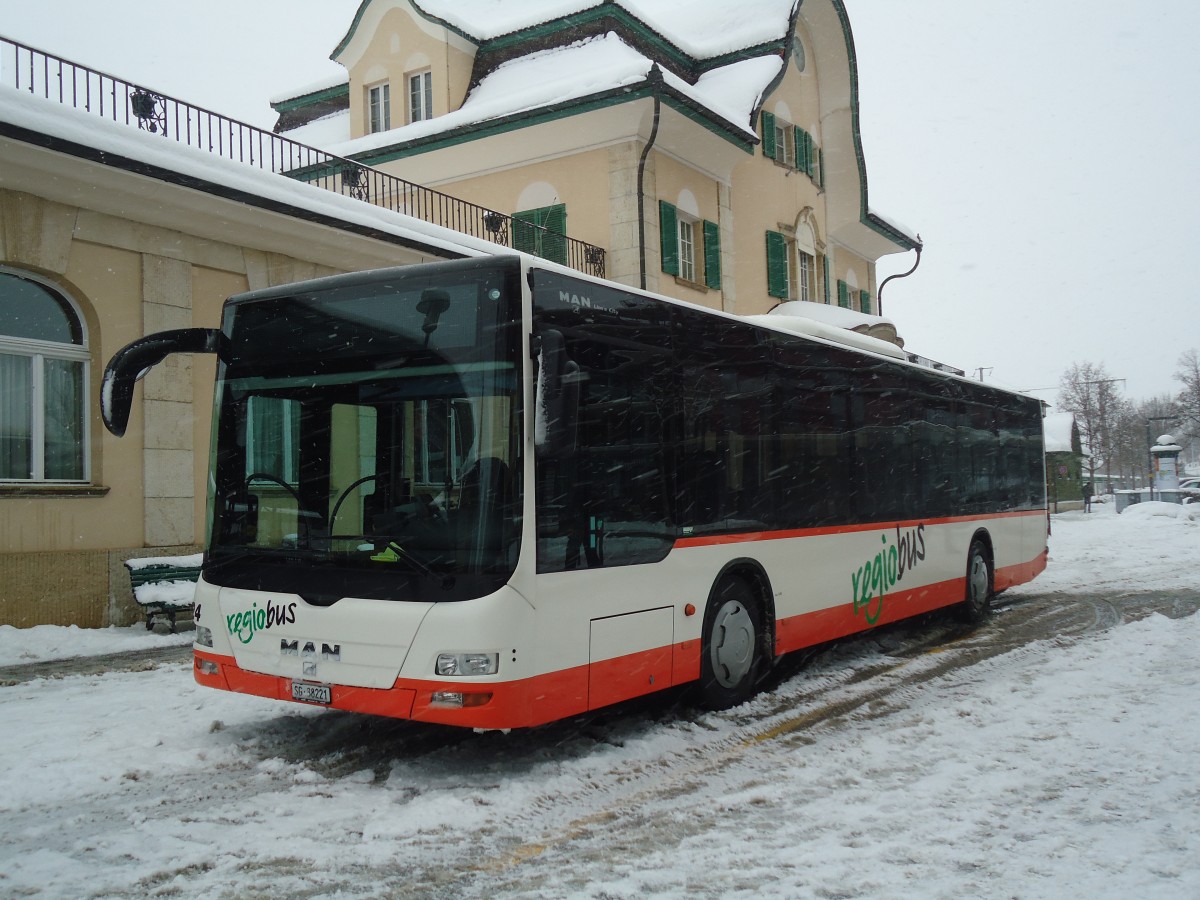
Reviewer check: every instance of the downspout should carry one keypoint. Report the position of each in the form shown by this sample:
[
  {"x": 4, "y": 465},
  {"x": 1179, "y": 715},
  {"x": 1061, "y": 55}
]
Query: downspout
[
  {"x": 879, "y": 293},
  {"x": 654, "y": 78}
]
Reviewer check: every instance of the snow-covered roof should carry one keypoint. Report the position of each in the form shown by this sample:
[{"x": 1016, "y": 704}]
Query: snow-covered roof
[
  {"x": 54, "y": 120},
  {"x": 837, "y": 316},
  {"x": 701, "y": 28},
  {"x": 324, "y": 133},
  {"x": 583, "y": 69},
  {"x": 809, "y": 327},
  {"x": 1057, "y": 429},
  {"x": 326, "y": 83}
]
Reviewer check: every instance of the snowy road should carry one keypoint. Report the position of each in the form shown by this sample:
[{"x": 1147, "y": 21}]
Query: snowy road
[{"x": 1048, "y": 753}]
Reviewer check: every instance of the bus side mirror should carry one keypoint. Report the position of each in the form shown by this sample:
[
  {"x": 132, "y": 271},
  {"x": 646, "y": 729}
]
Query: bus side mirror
[
  {"x": 557, "y": 396},
  {"x": 133, "y": 361}
]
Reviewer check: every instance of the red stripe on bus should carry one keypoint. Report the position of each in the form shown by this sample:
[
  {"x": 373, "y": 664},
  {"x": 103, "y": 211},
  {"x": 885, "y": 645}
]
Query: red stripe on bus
[
  {"x": 1010, "y": 576},
  {"x": 749, "y": 536},
  {"x": 831, "y": 623},
  {"x": 568, "y": 692},
  {"x": 513, "y": 704}
]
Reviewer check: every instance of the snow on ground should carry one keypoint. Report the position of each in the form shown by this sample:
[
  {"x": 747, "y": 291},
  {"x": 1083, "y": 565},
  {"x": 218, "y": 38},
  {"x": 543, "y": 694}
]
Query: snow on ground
[
  {"x": 47, "y": 642},
  {"x": 1063, "y": 767}
]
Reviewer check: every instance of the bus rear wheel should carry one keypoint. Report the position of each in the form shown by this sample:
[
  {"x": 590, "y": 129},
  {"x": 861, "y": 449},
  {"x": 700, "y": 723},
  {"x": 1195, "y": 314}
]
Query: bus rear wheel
[
  {"x": 978, "y": 600},
  {"x": 732, "y": 654}
]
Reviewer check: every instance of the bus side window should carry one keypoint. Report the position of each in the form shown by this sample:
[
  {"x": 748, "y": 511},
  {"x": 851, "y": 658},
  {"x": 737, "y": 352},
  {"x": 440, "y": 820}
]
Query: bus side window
[
  {"x": 728, "y": 452},
  {"x": 606, "y": 503},
  {"x": 813, "y": 425}
]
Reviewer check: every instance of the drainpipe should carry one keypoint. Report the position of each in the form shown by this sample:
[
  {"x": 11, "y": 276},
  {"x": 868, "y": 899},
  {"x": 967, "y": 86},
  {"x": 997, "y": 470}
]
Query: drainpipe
[
  {"x": 879, "y": 293},
  {"x": 654, "y": 78}
]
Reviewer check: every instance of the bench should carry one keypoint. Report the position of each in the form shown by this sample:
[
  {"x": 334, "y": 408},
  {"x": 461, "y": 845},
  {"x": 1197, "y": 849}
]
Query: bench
[{"x": 164, "y": 586}]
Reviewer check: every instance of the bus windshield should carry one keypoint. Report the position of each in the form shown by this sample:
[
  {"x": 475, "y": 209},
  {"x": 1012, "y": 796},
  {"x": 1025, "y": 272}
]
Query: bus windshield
[{"x": 367, "y": 439}]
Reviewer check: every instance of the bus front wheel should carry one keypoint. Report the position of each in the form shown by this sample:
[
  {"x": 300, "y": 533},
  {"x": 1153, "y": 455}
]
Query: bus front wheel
[
  {"x": 978, "y": 600},
  {"x": 731, "y": 656}
]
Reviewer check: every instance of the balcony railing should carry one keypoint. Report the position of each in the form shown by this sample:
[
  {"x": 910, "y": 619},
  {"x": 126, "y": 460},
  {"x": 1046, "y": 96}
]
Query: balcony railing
[{"x": 77, "y": 86}]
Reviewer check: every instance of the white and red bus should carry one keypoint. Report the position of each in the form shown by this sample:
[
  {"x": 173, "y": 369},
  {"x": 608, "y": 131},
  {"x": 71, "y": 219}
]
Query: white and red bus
[{"x": 495, "y": 493}]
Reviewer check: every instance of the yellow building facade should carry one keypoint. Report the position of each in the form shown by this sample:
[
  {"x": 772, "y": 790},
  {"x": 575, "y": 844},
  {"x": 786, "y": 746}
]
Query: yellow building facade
[
  {"x": 602, "y": 119},
  {"x": 715, "y": 161}
]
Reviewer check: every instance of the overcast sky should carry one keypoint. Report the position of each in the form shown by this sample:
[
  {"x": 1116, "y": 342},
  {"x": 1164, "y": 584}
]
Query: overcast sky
[{"x": 1045, "y": 150}]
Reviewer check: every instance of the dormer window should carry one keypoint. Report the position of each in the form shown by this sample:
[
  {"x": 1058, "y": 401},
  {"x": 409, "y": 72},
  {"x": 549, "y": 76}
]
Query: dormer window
[
  {"x": 379, "y": 104},
  {"x": 420, "y": 96},
  {"x": 784, "y": 142},
  {"x": 792, "y": 146}
]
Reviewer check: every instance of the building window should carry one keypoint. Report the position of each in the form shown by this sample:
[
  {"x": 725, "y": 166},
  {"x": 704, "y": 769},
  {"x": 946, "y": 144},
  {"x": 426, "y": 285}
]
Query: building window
[
  {"x": 687, "y": 249},
  {"x": 784, "y": 142},
  {"x": 791, "y": 146},
  {"x": 680, "y": 253},
  {"x": 380, "y": 106},
  {"x": 43, "y": 383},
  {"x": 791, "y": 268},
  {"x": 273, "y": 437},
  {"x": 804, "y": 277},
  {"x": 420, "y": 97},
  {"x": 542, "y": 232}
]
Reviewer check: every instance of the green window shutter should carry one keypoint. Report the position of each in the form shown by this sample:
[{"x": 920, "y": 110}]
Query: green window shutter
[
  {"x": 803, "y": 149},
  {"x": 820, "y": 177},
  {"x": 668, "y": 227},
  {"x": 712, "y": 255},
  {"x": 777, "y": 279},
  {"x": 768, "y": 130},
  {"x": 523, "y": 235},
  {"x": 554, "y": 243},
  {"x": 528, "y": 235},
  {"x": 864, "y": 301},
  {"x": 825, "y": 280},
  {"x": 843, "y": 294}
]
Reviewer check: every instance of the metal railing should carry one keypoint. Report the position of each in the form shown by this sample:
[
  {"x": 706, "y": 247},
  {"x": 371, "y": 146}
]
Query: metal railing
[{"x": 40, "y": 73}]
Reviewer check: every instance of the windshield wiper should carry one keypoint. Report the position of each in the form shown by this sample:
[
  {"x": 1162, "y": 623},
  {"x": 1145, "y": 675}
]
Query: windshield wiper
[{"x": 393, "y": 552}]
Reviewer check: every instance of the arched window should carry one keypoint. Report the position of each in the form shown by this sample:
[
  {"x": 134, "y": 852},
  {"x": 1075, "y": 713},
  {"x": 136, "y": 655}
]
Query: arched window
[{"x": 43, "y": 382}]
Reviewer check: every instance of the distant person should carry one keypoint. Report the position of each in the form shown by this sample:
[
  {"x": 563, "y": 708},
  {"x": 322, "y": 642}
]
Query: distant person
[{"x": 1087, "y": 496}]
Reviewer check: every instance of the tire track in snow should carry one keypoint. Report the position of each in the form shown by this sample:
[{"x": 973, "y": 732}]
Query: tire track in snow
[{"x": 814, "y": 701}]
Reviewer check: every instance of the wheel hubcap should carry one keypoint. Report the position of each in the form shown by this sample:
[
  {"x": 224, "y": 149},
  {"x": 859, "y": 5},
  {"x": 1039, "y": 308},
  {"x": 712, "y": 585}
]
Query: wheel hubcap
[
  {"x": 979, "y": 581},
  {"x": 732, "y": 648}
]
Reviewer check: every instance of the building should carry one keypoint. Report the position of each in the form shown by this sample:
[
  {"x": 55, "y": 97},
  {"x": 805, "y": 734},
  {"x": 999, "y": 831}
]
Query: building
[
  {"x": 712, "y": 149},
  {"x": 715, "y": 160},
  {"x": 108, "y": 232},
  {"x": 1064, "y": 462}
]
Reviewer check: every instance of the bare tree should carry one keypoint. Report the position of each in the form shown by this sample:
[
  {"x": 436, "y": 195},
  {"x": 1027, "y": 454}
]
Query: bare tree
[
  {"x": 1188, "y": 374},
  {"x": 1087, "y": 390},
  {"x": 1147, "y": 420}
]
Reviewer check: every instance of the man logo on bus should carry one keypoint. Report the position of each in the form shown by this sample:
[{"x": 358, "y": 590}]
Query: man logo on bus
[
  {"x": 881, "y": 574},
  {"x": 576, "y": 300}
]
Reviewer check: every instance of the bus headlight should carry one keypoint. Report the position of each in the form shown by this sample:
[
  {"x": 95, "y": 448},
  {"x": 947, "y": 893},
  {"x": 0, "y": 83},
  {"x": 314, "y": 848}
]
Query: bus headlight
[
  {"x": 204, "y": 636},
  {"x": 452, "y": 664}
]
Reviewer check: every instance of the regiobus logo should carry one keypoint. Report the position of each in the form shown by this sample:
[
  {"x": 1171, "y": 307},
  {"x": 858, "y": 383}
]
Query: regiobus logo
[
  {"x": 885, "y": 570},
  {"x": 245, "y": 625}
]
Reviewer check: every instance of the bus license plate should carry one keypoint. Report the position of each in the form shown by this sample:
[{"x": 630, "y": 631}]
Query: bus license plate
[{"x": 310, "y": 693}]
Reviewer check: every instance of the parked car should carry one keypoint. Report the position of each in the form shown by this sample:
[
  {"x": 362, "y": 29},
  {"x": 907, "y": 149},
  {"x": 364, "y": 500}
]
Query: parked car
[{"x": 1190, "y": 487}]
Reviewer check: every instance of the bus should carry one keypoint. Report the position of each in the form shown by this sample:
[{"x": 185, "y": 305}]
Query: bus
[{"x": 495, "y": 493}]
